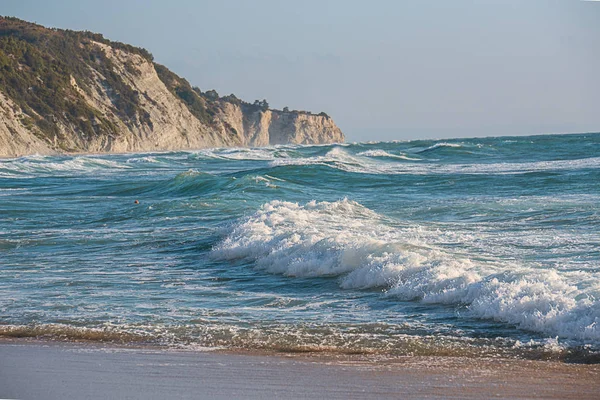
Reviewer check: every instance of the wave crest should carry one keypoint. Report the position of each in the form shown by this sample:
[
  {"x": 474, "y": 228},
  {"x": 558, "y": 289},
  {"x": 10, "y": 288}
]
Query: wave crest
[
  {"x": 441, "y": 145},
  {"x": 347, "y": 240},
  {"x": 385, "y": 154}
]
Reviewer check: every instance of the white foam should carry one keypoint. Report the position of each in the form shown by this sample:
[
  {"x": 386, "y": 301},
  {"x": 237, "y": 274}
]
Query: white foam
[
  {"x": 263, "y": 180},
  {"x": 339, "y": 159},
  {"x": 144, "y": 159},
  {"x": 441, "y": 144},
  {"x": 26, "y": 166},
  {"x": 364, "y": 250},
  {"x": 383, "y": 153},
  {"x": 245, "y": 154}
]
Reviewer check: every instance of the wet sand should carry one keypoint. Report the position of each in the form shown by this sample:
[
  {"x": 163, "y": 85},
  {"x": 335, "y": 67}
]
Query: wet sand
[{"x": 38, "y": 370}]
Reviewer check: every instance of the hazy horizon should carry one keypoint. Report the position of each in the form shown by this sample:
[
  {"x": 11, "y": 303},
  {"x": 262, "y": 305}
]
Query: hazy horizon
[{"x": 385, "y": 71}]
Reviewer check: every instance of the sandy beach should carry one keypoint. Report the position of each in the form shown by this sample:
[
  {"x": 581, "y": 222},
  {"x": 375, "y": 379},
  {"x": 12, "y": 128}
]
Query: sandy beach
[{"x": 38, "y": 370}]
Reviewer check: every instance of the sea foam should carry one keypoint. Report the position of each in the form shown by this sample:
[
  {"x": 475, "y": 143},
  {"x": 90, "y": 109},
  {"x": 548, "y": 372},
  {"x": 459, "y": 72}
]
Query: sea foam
[
  {"x": 385, "y": 154},
  {"x": 365, "y": 163},
  {"x": 365, "y": 250}
]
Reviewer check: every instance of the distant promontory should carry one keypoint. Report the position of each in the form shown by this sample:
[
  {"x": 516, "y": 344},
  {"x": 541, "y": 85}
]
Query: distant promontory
[{"x": 64, "y": 91}]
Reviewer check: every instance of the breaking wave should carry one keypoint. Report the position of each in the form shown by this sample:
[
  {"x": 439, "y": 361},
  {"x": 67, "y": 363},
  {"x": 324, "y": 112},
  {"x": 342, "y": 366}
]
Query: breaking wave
[
  {"x": 50, "y": 165},
  {"x": 343, "y": 160},
  {"x": 365, "y": 251}
]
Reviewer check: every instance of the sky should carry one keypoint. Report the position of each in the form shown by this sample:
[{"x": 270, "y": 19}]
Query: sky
[{"x": 384, "y": 70}]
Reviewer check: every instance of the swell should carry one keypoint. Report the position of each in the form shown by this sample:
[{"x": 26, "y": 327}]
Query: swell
[{"x": 476, "y": 156}]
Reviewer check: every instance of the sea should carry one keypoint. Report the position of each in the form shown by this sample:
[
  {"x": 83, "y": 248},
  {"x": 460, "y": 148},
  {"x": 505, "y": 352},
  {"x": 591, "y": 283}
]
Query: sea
[{"x": 481, "y": 247}]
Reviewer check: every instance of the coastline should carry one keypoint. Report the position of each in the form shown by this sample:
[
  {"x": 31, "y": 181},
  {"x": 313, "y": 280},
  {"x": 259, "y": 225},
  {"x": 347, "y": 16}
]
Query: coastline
[
  {"x": 52, "y": 370},
  {"x": 161, "y": 151}
]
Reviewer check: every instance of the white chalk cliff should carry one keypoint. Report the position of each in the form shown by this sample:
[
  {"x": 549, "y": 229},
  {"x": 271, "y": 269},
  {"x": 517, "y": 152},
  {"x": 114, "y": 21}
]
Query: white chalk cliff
[{"x": 162, "y": 120}]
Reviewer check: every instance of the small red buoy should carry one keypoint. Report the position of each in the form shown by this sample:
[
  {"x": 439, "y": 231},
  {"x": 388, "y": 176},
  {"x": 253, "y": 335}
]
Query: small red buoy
[{"x": 137, "y": 202}]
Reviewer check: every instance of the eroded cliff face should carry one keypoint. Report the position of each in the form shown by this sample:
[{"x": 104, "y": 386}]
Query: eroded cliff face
[
  {"x": 16, "y": 137},
  {"x": 168, "y": 123},
  {"x": 161, "y": 120},
  {"x": 271, "y": 127}
]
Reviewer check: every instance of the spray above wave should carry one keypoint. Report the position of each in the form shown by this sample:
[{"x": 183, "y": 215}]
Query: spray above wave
[{"x": 349, "y": 241}]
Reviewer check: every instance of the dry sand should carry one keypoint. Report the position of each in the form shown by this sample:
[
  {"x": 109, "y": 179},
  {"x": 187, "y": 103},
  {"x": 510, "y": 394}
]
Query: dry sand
[{"x": 86, "y": 371}]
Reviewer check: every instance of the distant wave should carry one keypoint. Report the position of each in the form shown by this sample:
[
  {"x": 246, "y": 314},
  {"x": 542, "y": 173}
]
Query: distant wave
[
  {"x": 40, "y": 165},
  {"x": 372, "y": 161},
  {"x": 143, "y": 159},
  {"x": 383, "y": 153},
  {"x": 347, "y": 240},
  {"x": 440, "y": 145},
  {"x": 244, "y": 154},
  {"x": 339, "y": 158}
]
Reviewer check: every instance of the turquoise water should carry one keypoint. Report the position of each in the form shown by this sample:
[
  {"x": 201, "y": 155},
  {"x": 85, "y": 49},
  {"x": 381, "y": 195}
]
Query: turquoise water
[{"x": 477, "y": 247}]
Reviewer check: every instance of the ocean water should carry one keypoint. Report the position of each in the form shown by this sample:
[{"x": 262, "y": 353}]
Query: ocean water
[{"x": 469, "y": 247}]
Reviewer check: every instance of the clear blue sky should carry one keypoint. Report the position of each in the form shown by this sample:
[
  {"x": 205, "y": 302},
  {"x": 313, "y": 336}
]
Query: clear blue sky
[{"x": 383, "y": 70}]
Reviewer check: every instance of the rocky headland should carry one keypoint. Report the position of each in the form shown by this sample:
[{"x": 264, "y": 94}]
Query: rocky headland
[{"x": 64, "y": 91}]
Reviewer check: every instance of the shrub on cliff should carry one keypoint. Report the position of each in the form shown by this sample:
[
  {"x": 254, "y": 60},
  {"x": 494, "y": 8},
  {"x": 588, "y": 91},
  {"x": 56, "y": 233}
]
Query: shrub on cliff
[{"x": 37, "y": 65}]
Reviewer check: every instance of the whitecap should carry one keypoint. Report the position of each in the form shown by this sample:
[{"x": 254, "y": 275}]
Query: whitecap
[
  {"x": 347, "y": 240},
  {"x": 439, "y": 145},
  {"x": 383, "y": 153}
]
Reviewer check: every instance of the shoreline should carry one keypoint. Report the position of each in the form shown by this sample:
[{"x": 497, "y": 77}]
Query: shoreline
[
  {"x": 36, "y": 369},
  {"x": 368, "y": 356},
  {"x": 166, "y": 151}
]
